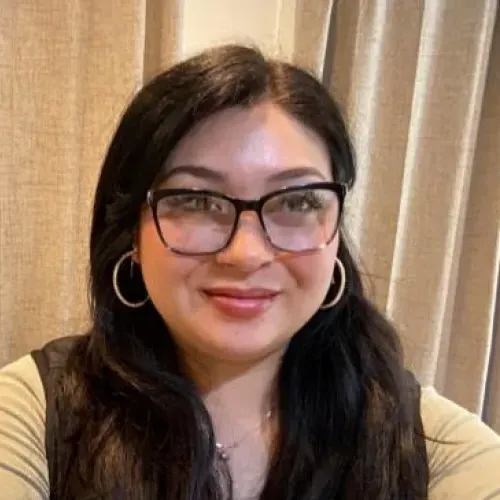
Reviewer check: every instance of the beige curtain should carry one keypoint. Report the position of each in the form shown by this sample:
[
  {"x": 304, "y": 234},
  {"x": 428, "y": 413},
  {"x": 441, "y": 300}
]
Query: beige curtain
[
  {"x": 420, "y": 85},
  {"x": 68, "y": 68}
]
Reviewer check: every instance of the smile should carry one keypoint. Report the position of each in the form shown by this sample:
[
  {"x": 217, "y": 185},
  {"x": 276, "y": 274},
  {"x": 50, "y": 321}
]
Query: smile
[{"x": 241, "y": 303}]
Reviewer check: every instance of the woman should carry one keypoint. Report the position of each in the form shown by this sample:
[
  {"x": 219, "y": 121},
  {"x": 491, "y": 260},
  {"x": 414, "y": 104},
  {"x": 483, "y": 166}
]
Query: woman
[{"x": 233, "y": 353}]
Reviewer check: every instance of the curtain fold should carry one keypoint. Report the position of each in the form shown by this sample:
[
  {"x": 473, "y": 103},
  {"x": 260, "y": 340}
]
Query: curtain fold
[
  {"x": 419, "y": 83},
  {"x": 160, "y": 39},
  {"x": 313, "y": 34}
]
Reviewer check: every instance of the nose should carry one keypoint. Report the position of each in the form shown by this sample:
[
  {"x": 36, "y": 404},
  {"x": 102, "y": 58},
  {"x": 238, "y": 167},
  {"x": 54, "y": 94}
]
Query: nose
[{"x": 248, "y": 249}]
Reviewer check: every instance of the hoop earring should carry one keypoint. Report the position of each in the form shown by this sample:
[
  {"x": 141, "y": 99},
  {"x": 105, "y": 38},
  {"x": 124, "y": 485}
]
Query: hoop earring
[
  {"x": 116, "y": 288},
  {"x": 341, "y": 289}
]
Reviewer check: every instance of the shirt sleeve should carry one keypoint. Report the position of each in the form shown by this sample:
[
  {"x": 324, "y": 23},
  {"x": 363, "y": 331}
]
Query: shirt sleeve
[
  {"x": 465, "y": 465},
  {"x": 23, "y": 463}
]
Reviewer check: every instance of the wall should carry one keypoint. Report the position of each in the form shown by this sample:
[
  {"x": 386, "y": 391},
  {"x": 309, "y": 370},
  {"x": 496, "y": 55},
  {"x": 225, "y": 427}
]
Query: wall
[{"x": 270, "y": 23}]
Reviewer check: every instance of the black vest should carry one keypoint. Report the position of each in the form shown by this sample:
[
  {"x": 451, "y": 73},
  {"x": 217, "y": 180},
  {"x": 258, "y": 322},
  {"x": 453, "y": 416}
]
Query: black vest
[{"x": 51, "y": 360}]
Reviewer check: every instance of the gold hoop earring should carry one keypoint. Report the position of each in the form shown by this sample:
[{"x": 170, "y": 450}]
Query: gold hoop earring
[
  {"x": 116, "y": 288},
  {"x": 341, "y": 289}
]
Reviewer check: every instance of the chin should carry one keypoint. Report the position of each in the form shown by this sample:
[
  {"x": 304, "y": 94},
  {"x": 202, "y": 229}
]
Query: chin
[{"x": 242, "y": 347}]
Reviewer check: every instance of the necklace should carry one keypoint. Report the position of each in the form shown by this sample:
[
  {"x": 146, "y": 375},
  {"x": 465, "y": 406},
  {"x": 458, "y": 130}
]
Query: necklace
[{"x": 223, "y": 451}]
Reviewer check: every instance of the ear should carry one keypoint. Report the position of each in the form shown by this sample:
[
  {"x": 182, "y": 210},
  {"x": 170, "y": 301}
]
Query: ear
[
  {"x": 135, "y": 247},
  {"x": 135, "y": 255}
]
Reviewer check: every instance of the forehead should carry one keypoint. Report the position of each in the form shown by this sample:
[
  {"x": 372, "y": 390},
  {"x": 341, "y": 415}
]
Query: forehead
[{"x": 252, "y": 143}]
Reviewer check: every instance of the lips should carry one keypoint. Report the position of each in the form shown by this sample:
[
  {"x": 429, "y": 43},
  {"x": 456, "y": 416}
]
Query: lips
[
  {"x": 241, "y": 302},
  {"x": 242, "y": 293}
]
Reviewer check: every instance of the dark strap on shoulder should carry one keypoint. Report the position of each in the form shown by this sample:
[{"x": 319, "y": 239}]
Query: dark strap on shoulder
[
  {"x": 54, "y": 354},
  {"x": 52, "y": 357},
  {"x": 50, "y": 360},
  {"x": 42, "y": 363}
]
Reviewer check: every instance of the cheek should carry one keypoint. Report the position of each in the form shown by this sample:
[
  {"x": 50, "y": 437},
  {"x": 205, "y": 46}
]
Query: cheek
[
  {"x": 313, "y": 273},
  {"x": 162, "y": 271},
  {"x": 150, "y": 249}
]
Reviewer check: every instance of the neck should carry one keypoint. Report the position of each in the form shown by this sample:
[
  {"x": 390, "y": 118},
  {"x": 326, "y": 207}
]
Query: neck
[{"x": 236, "y": 394}]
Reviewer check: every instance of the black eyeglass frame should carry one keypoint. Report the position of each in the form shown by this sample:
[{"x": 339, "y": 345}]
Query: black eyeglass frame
[{"x": 155, "y": 195}]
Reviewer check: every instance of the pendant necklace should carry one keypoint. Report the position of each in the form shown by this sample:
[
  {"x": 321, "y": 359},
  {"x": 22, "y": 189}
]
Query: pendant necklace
[{"x": 224, "y": 451}]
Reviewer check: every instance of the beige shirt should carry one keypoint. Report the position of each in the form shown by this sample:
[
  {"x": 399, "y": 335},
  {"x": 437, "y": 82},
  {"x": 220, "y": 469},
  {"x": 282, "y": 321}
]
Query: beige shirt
[{"x": 468, "y": 470}]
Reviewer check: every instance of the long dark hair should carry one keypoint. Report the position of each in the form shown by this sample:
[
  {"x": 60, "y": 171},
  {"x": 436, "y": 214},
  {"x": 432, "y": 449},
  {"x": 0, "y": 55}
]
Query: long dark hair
[{"x": 347, "y": 411}]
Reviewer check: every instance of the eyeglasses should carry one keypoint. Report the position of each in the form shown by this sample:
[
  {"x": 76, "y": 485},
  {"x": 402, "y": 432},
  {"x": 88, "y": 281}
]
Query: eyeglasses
[{"x": 203, "y": 222}]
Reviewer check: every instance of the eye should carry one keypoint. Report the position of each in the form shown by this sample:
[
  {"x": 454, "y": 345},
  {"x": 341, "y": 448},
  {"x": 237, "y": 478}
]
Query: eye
[
  {"x": 201, "y": 203},
  {"x": 301, "y": 201},
  {"x": 193, "y": 203}
]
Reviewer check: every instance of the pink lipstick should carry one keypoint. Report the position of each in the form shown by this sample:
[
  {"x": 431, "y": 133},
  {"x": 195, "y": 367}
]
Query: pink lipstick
[{"x": 241, "y": 302}]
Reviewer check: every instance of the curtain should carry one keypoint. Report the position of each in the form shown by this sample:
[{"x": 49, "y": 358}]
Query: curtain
[
  {"x": 68, "y": 69},
  {"x": 419, "y": 83}
]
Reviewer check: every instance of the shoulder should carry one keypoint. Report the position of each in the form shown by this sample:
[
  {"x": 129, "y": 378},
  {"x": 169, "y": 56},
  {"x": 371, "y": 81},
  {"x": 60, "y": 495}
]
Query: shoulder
[
  {"x": 23, "y": 419},
  {"x": 23, "y": 465},
  {"x": 55, "y": 353},
  {"x": 463, "y": 452}
]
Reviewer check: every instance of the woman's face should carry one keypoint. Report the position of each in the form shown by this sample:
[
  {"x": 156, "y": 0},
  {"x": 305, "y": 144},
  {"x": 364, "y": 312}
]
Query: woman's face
[{"x": 247, "y": 301}]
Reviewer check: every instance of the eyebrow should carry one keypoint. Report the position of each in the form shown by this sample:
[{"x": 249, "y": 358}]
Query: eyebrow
[{"x": 212, "y": 175}]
